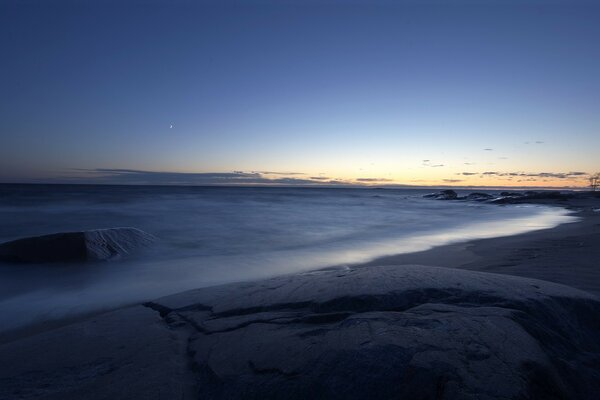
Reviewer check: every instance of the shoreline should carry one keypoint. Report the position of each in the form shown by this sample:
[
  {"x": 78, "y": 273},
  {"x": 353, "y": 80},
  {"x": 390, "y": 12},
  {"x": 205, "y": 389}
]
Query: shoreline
[
  {"x": 395, "y": 325},
  {"x": 568, "y": 254},
  {"x": 540, "y": 254}
]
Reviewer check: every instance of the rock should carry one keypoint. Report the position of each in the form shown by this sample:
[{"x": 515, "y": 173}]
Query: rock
[
  {"x": 479, "y": 196},
  {"x": 550, "y": 195},
  {"x": 411, "y": 332},
  {"x": 532, "y": 196},
  {"x": 100, "y": 244},
  {"x": 124, "y": 354},
  {"x": 511, "y": 194},
  {"x": 443, "y": 195}
]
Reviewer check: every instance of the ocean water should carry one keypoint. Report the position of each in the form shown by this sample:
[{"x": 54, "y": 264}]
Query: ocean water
[{"x": 212, "y": 235}]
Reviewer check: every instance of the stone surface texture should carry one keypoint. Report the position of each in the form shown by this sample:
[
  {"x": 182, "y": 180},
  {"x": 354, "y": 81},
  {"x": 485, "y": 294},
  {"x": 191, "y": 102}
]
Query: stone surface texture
[{"x": 390, "y": 332}]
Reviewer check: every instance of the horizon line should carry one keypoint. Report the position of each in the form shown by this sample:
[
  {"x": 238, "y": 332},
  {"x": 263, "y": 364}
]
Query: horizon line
[{"x": 306, "y": 186}]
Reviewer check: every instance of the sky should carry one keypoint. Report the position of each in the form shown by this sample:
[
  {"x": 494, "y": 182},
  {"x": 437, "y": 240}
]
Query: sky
[{"x": 424, "y": 93}]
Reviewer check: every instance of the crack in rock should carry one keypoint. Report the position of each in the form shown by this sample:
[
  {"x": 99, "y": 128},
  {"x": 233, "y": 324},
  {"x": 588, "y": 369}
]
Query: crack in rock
[{"x": 391, "y": 332}]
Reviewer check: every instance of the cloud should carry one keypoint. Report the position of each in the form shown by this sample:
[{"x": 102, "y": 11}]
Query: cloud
[
  {"x": 539, "y": 142},
  {"x": 427, "y": 163},
  {"x": 533, "y": 176},
  {"x": 373, "y": 180},
  {"x": 453, "y": 180},
  {"x": 276, "y": 173},
  {"x": 139, "y": 177}
]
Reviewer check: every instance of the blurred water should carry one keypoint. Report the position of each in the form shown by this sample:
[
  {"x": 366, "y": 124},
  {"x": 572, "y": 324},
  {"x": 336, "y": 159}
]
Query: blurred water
[{"x": 211, "y": 235}]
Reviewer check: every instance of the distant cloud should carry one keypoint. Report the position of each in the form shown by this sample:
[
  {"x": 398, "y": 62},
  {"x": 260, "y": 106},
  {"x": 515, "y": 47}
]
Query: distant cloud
[
  {"x": 276, "y": 173},
  {"x": 453, "y": 180},
  {"x": 373, "y": 180},
  {"x": 488, "y": 149},
  {"x": 427, "y": 163},
  {"x": 539, "y": 142},
  {"x": 139, "y": 177},
  {"x": 469, "y": 163},
  {"x": 532, "y": 176}
]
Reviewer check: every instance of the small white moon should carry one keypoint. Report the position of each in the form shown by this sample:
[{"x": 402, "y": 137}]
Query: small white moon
[{"x": 171, "y": 126}]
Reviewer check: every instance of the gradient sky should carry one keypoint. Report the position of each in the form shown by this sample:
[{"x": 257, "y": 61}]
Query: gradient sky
[{"x": 376, "y": 92}]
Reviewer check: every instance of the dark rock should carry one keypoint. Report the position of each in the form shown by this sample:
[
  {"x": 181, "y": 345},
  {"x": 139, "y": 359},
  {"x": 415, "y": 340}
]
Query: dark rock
[
  {"x": 477, "y": 196},
  {"x": 101, "y": 244},
  {"x": 533, "y": 196},
  {"x": 443, "y": 195},
  {"x": 547, "y": 195},
  {"x": 511, "y": 194},
  {"x": 408, "y": 332}
]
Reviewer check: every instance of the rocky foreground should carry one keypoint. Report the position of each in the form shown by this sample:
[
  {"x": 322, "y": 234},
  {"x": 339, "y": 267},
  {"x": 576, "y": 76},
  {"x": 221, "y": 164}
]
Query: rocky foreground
[{"x": 406, "y": 332}]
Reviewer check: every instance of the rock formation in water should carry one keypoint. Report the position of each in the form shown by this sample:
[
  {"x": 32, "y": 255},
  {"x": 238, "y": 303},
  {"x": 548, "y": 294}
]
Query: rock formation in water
[
  {"x": 508, "y": 197},
  {"x": 100, "y": 244},
  {"x": 402, "y": 332},
  {"x": 477, "y": 196},
  {"x": 443, "y": 195}
]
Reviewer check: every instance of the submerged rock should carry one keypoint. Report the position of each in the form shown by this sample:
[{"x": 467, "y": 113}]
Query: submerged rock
[{"x": 100, "y": 244}]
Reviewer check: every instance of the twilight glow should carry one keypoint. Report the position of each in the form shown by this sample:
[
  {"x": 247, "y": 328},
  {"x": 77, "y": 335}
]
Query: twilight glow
[{"x": 431, "y": 93}]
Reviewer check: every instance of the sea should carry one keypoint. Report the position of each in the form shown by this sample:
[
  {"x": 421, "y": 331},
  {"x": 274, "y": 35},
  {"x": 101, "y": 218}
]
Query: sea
[{"x": 213, "y": 235}]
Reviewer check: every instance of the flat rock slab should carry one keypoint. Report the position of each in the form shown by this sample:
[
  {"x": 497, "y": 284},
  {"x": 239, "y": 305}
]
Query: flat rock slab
[{"x": 392, "y": 332}]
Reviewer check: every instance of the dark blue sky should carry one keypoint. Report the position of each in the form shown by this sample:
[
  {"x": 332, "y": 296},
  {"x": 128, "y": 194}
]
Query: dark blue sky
[{"x": 405, "y": 92}]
